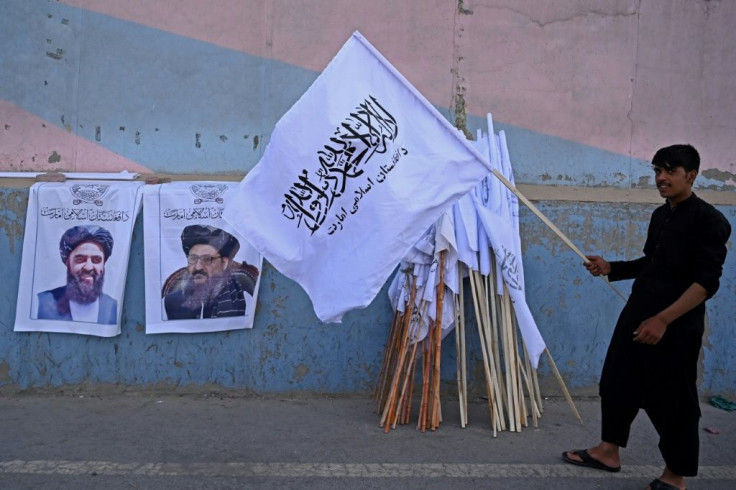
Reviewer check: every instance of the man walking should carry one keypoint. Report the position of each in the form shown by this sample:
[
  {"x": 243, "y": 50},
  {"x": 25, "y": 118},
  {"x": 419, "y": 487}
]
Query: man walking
[{"x": 651, "y": 362}]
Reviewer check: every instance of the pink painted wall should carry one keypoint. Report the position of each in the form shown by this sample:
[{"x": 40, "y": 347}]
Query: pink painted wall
[
  {"x": 30, "y": 144},
  {"x": 619, "y": 75}
]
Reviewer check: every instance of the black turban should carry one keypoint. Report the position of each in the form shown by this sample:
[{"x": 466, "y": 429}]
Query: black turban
[
  {"x": 225, "y": 244},
  {"x": 75, "y": 236}
]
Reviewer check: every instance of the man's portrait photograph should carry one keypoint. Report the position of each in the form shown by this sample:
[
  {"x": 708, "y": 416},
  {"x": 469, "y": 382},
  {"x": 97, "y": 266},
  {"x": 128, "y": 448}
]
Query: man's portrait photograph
[
  {"x": 201, "y": 275},
  {"x": 84, "y": 251},
  {"x": 76, "y": 248},
  {"x": 211, "y": 284}
]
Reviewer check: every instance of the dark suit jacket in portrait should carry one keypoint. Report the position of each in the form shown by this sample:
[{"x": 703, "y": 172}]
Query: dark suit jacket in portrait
[{"x": 54, "y": 305}]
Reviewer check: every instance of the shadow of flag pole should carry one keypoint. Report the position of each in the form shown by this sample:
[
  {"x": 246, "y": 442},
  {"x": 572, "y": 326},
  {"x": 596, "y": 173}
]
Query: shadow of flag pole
[{"x": 551, "y": 225}]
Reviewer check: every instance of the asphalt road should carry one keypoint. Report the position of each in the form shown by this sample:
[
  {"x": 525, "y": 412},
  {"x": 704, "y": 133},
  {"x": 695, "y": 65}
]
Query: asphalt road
[{"x": 221, "y": 440}]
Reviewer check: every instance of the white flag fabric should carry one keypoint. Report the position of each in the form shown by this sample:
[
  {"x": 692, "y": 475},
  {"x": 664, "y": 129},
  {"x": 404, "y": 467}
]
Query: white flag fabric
[
  {"x": 445, "y": 240},
  {"x": 76, "y": 249},
  {"x": 500, "y": 232},
  {"x": 201, "y": 275},
  {"x": 465, "y": 253},
  {"x": 354, "y": 173}
]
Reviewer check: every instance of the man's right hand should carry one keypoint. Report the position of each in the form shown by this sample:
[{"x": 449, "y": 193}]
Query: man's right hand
[{"x": 597, "y": 265}]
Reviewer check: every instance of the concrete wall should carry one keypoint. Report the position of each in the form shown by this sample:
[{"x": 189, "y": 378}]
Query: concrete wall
[{"x": 586, "y": 92}]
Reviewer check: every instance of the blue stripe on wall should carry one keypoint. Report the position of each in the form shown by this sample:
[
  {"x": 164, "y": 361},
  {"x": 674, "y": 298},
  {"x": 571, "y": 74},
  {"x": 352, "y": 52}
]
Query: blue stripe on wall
[{"x": 165, "y": 101}]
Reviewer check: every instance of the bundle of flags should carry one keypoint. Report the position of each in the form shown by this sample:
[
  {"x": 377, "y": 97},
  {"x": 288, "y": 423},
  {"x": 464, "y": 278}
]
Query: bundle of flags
[
  {"x": 477, "y": 239},
  {"x": 363, "y": 173}
]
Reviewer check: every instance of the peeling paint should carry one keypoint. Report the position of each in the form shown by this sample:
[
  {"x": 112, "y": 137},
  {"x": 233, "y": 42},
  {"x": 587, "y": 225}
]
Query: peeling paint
[
  {"x": 300, "y": 371},
  {"x": 720, "y": 175},
  {"x": 54, "y": 157},
  {"x": 462, "y": 10},
  {"x": 461, "y": 117},
  {"x": 57, "y": 55}
]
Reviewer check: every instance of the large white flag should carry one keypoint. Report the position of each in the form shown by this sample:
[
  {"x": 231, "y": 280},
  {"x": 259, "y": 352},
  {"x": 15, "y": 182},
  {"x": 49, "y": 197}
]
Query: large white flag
[{"x": 354, "y": 173}]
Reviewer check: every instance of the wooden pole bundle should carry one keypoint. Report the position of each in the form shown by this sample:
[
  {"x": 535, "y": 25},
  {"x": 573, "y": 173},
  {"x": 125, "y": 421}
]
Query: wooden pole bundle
[
  {"x": 389, "y": 406},
  {"x": 394, "y": 390},
  {"x": 512, "y": 385}
]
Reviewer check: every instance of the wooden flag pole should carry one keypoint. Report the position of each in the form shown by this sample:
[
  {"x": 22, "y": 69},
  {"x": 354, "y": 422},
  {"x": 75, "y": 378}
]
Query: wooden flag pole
[
  {"x": 388, "y": 359},
  {"x": 436, "y": 418},
  {"x": 459, "y": 302},
  {"x": 551, "y": 225},
  {"x": 564, "y": 388},
  {"x": 486, "y": 369},
  {"x": 390, "y": 406},
  {"x": 491, "y": 340},
  {"x": 495, "y": 352}
]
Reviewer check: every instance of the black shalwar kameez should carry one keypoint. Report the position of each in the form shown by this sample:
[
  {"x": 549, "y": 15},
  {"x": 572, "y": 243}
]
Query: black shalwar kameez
[{"x": 685, "y": 244}]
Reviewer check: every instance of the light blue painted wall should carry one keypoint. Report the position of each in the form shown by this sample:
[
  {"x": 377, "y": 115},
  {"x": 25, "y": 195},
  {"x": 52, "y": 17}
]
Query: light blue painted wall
[
  {"x": 576, "y": 313},
  {"x": 288, "y": 349},
  {"x": 112, "y": 75}
]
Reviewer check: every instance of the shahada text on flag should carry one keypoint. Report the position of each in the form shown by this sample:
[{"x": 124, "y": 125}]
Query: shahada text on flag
[
  {"x": 201, "y": 275},
  {"x": 75, "y": 256},
  {"x": 355, "y": 172}
]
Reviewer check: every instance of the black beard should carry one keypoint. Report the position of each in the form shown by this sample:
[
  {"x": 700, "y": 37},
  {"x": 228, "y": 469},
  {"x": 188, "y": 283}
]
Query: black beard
[
  {"x": 82, "y": 293},
  {"x": 197, "y": 294}
]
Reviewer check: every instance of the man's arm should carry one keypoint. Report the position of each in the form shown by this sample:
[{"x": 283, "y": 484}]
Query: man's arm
[{"x": 652, "y": 330}]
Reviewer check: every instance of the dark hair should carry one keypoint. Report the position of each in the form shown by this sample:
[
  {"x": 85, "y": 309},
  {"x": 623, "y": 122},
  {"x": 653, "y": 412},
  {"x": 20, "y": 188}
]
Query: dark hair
[
  {"x": 670, "y": 157},
  {"x": 222, "y": 241},
  {"x": 75, "y": 236}
]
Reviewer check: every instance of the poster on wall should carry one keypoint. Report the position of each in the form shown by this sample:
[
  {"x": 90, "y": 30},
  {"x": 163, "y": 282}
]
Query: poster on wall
[
  {"x": 76, "y": 248},
  {"x": 201, "y": 275}
]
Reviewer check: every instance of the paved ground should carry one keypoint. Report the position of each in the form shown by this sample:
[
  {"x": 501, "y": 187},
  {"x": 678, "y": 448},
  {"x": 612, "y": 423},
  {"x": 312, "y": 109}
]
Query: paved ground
[{"x": 131, "y": 441}]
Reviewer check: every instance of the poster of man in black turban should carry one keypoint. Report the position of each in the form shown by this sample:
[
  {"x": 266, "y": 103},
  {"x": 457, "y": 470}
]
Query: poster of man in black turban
[
  {"x": 212, "y": 284},
  {"x": 84, "y": 250},
  {"x": 76, "y": 249},
  {"x": 201, "y": 276}
]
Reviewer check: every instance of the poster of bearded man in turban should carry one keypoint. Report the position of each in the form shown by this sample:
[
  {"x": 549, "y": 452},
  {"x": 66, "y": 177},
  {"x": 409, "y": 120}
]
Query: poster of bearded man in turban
[
  {"x": 201, "y": 275},
  {"x": 76, "y": 248},
  {"x": 84, "y": 250},
  {"x": 212, "y": 285}
]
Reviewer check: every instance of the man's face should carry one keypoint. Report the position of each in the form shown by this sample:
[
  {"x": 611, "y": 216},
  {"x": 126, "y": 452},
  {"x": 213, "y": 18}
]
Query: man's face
[
  {"x": 200, "y": 271},
  {"x": 85, "y": 272},
  {"x": 675, "y": 184}
]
